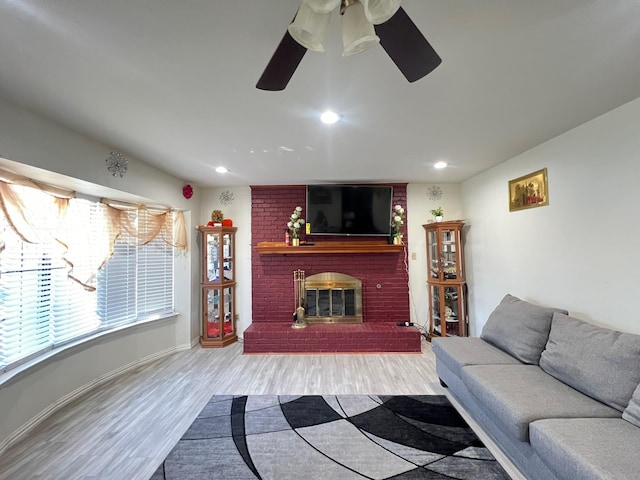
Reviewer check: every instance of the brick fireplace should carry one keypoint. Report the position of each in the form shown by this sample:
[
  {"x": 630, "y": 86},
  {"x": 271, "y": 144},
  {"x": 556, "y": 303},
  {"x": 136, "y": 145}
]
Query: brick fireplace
[{"x": 385, "y": 297}]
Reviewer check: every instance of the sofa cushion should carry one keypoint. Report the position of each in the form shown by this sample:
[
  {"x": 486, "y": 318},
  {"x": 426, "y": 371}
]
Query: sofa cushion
[
  {"x": 513, "y": 396},
  {"x": 458, "y": 352},
  {"x": 632, "y": 412},
  {"x": 599, "y": 362},
  {"x": 587, "y": 448},
  {"x": 519, "y": 328}
]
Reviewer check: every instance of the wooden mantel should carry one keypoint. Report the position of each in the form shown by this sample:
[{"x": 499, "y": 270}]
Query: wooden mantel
[{"x": 279, "y": 248}]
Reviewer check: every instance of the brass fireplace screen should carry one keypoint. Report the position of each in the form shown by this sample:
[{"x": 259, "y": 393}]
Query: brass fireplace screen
[{"x": 333, "y": 298}]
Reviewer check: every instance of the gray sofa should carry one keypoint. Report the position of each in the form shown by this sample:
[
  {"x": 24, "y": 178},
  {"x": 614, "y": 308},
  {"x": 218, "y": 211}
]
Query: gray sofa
[{"x": 559, "y": 396}]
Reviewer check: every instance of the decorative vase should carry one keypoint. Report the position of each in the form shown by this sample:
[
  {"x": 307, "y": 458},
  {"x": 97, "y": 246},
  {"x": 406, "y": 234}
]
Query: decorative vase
[
  {"x": 295, "y": 242},
  {"x": 397, "y": 240},
  {"x": 439, "y": 218}
]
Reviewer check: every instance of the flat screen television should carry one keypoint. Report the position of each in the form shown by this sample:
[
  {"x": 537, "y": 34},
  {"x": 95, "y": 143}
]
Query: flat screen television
[{"x": 349, "y": 209}]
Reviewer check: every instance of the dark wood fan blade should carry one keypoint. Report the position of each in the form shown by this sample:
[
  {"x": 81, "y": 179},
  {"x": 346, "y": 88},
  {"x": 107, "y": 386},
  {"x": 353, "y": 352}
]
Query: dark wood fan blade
[
  {"x": 407, "y": 47},
  {"x": 283, "y": 63}
]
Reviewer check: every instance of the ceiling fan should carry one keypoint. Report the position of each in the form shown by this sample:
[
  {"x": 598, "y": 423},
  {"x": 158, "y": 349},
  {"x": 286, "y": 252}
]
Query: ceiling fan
[{"x": 365, "y": 23}]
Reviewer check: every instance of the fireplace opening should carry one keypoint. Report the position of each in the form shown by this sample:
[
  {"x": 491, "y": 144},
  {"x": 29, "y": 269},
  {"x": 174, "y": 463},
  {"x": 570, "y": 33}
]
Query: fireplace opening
[{"x": 332, "y": 297}]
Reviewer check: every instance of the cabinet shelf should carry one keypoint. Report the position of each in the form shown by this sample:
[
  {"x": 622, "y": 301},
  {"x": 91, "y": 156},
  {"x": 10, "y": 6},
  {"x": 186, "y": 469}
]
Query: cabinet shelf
[{"x": 279, "y": 248}]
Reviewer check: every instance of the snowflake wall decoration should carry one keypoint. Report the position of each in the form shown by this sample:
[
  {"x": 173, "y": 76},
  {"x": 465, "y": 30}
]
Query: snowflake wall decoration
[
  {"x": 117, "y": 164},
  {"x": 226, "y": 197},
  {"x": 434, "y": 192}
]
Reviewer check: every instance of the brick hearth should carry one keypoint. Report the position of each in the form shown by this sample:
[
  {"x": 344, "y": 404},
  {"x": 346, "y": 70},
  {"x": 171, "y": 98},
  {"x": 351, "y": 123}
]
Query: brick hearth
[
  {"x": 374, "y": 337},
  {"x": 385, "y": 293}
]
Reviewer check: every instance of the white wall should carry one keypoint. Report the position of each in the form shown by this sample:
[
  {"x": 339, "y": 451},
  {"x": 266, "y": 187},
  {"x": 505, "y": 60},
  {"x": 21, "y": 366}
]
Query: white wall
[
  {"x": 37, "y": 143},
  {"x": 582, "y": 251},
  {"x": 418, "y": 206},
  {"x": 237, "y": 209}
]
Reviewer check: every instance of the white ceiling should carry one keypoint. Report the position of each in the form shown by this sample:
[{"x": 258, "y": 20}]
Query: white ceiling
[{"x": 172, "y": 83}]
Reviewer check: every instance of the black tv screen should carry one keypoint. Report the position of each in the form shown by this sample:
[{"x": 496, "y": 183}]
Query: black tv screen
[{"x": 349, "y": 209}]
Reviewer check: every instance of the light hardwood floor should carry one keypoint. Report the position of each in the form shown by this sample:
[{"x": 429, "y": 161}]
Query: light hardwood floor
[{"x": 123, "y": 429}]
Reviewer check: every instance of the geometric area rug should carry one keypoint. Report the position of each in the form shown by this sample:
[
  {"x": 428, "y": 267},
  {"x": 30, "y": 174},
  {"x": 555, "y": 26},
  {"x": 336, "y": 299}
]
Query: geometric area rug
[{"x": 329, "y": 437}]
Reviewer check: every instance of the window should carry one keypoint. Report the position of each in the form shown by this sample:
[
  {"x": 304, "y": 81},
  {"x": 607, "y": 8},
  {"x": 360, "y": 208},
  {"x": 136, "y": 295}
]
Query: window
[{"x": 42, "y": 308}]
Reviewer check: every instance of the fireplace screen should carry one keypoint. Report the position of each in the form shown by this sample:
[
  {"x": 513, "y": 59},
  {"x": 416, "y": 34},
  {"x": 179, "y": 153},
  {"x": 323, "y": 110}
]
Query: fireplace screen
[{"x": 333, "y": 298}]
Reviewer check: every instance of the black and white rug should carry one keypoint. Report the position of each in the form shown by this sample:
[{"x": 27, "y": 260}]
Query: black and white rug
[{"x": 329, "y": 437}]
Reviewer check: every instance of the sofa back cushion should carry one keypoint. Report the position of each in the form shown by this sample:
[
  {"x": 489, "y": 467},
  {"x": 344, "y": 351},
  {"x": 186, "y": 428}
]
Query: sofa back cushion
[
  {"x": 519, "y": 328},
  {"x": 632, "y": 412},
  {"x": 597, "y": 361}
]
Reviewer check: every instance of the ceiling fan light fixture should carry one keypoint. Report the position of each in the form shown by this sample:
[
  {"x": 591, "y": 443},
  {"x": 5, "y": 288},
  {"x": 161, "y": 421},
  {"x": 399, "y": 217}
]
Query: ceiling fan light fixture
[
  {"x": 358, "y": 33},
  {"x": 379, "y": 11},
  {"x": 322, "y": 6},
  {"x": 309, "y": 28}
]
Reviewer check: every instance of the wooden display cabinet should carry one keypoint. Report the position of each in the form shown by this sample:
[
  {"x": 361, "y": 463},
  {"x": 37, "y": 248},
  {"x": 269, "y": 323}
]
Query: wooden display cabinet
[
  {"x": 218, "y": 287},
  {"x": 446, "y": 282}
]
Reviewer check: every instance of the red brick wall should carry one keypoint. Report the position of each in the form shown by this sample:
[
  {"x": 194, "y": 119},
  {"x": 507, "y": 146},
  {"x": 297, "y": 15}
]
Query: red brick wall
[{"x": 272, "y": 292}]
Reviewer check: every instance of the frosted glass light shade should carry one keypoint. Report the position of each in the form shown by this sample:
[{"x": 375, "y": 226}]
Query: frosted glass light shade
[
  {"x": 322, "y": 6},
  {"x": 309, "y": 28},
  {"x": 358, "y": 33},
  {"x": 379, "y": 11}
]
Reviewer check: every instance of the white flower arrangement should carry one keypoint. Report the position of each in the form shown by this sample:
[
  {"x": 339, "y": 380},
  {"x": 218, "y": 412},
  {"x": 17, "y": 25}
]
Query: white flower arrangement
[
  {"x": 295, "y": 222},
  {"x": 397, "y": 220}
]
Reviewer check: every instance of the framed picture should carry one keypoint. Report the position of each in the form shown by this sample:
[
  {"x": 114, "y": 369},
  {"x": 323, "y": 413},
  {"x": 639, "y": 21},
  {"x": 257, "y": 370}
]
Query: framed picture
[{"x": 529, "y": 191}]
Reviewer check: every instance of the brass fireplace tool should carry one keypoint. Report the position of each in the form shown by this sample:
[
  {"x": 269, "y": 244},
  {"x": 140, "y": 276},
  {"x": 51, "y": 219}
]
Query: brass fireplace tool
[{"x": 299, "y": 320}]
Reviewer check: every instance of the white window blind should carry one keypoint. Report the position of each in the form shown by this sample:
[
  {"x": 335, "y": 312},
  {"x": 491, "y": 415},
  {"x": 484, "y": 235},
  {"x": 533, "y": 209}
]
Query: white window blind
[
  {"x": 27, "y": 274},
  {"x": 41, "y": 307},
  {"x": 155, "y": 275}
]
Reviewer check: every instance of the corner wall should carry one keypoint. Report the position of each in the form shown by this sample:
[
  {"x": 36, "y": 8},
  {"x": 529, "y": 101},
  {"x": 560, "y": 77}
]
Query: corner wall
[
  {"x": 34, "y": 141},
  {"x": 581, "y": 252}
]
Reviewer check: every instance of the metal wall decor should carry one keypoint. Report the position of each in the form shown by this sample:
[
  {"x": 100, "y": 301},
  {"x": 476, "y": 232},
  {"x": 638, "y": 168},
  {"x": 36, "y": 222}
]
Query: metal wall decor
[
  {"x": 117, "y": 164},
  {"x": 434, "y": 192},
  {"x": 226, "y": 197}
]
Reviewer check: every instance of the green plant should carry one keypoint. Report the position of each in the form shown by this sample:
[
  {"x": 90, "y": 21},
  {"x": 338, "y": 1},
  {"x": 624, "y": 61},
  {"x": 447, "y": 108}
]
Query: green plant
[
  {"x": 217, "y": 216},
  {"x": 437, "y": 212}
]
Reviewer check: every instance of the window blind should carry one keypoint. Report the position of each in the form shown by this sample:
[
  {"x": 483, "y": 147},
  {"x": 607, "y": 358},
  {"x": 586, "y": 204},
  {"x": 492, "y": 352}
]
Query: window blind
[{"x": 41, "y": 307}]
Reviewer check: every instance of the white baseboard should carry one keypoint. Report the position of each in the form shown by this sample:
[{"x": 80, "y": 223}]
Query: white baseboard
[{"x": 61, "y": 402}]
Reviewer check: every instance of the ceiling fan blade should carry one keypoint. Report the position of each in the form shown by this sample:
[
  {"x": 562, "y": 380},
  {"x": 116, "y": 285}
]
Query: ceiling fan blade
[
  {"x": 283, "y": 63},
  {"x": 407, "y": 47}
]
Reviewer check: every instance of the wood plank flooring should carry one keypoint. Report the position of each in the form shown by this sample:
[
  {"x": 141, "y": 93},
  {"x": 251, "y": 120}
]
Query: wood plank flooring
[{"x": 123, "y": 429}]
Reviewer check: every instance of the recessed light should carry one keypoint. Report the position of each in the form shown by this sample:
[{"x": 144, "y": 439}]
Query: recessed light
[
  {"x": 330, "y": 117},
  {"x": 221, "y": 170},
  {"x": 440, "y": 165}
]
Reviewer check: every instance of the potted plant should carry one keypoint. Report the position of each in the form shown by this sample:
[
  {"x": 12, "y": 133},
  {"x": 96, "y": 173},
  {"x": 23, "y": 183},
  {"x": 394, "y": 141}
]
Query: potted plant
[
  {"x": 217, "y": 217},
  {"x": 438, "y": 213},
  {"x": 295, "y": 222},
  {"x": 397, "y": 220}
]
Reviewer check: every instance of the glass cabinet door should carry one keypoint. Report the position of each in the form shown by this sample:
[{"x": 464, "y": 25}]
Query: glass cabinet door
[
  {"x": 433, "y": 254},
  {"x": 219, "y": 312},
  {"x": 448, "y": 311},
  {"x": 213, "y": 257},
  {"x": 436, "y": 319},
  {"x": 227, "y": 256},
  {"x": 453, "y": 313}
]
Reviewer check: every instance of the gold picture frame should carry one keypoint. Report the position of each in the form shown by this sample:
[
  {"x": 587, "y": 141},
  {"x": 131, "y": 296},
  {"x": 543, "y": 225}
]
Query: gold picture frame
[{"x": 529, "y": 191}]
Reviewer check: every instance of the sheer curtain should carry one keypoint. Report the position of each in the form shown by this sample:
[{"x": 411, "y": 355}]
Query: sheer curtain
[{"x": 39, "y": 213}]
